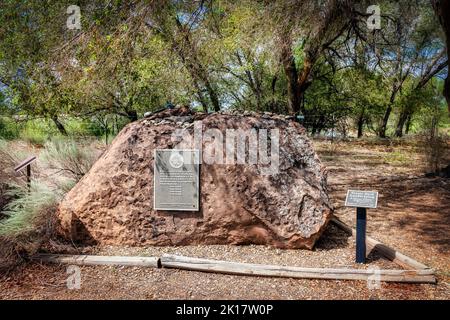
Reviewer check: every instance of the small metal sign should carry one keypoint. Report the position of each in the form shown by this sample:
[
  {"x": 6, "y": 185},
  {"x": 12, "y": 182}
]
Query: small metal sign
[
  {"x": 361, "y": 199},
  {"x": 176, "y": 180}
]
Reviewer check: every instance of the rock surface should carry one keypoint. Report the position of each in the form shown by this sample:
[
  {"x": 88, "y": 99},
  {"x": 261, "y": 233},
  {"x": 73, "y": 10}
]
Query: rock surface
[{"x": 113, "y": 203}]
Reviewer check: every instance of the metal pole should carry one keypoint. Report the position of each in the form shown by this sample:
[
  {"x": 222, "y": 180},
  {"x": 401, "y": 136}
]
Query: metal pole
[
  {"x": 361, "y": 235},
  {"x": 29, "y": 177}
]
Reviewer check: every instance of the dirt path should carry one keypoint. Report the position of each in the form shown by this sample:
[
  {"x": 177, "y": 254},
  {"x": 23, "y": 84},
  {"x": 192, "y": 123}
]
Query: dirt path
[
  {"x": 413, "y": 217},
  {"x": 413, "y": 213}
]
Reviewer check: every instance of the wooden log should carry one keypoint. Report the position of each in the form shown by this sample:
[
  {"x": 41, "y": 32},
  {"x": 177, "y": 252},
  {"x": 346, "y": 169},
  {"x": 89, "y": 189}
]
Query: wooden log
[
  {"x": 206, "y": 265},
  {"x": 389, "y": 253},
  {"x": 99, "y": 260}
]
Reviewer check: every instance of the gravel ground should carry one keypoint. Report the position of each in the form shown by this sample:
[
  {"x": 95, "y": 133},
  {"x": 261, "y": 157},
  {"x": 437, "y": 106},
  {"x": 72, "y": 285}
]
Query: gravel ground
[
  {"x": 49, "y": 282},
  {"x": 335, "y": 250},
  {"x": 413, "y": 214}
]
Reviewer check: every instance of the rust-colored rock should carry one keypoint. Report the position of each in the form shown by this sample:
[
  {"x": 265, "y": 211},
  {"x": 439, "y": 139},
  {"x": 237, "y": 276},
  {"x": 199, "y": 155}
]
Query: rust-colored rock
[{"x": 113, "y": 203}]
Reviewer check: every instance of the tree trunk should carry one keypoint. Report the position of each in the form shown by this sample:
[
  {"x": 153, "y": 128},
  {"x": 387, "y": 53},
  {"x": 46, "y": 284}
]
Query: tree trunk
[
  {"x": 360, "y": 124},
  {"x": 212, "y": 94},
  {"x": 290, "y": 70},
  {"x": 59, "y": 125},
  {"x": 442, "y": 10},
  {"x": 132, "y": 115},
  {"x": 383, "y": 127},
  {"x": 297, "y": 84},
  {"x": 200, "y": 96},
  {"x": 322, "y": 123},
  {"x": 408, "y": 124},
  {"x": 304, "y": 80},
  {"x": 294, "y": 97},
  {"x": 190, "y": 59},
  {"x": 253, "y": 81},
  {"x": 401, "y": 123}
]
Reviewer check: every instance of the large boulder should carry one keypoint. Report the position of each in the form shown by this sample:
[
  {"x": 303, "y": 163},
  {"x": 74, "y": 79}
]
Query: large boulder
[{"x": 239, "y": 203}]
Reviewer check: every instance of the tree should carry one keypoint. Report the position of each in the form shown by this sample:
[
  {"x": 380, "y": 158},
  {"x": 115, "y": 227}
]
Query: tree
[
  {"x": 431, "y": 60},
  {"x": 124, "y": 81},
  {"x": 433, "y": 67},
  {"x": 314, "y": 31},
  {"x": 312, "y": 57},
  {"x": 176, "y": 23},
  {"x": 442, "y": 9},
  {"x": 405, "y": 41}
]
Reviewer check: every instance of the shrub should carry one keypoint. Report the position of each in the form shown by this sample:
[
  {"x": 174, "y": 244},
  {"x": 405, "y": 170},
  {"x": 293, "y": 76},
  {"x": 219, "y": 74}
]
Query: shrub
[
  {"x": 8, "y": 129},
  {"x": 28, "y": 218},
  {"x": 28, "y": 222},
  {"x": 8, "y": 159},
  {"x": 28, "y": 209},
  {"x": 33, "y": 134},
  {"x": 436, "y": 152},
  {"x": 67, "y": 157}
]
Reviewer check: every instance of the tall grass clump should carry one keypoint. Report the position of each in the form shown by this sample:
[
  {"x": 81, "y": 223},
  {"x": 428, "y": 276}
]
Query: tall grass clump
[
  {"x": 8, "y": 159},
  {"x": 29, "y": 209},
  {"x": 16, "y": 220},
  {"x": 68, "y": 158},
  {"x": 27, "y": 221}
]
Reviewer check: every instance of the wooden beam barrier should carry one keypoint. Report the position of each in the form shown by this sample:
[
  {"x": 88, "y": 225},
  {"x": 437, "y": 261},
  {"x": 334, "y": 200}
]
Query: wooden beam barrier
[
  {"x": 247, "y": 269},
  {"x": 389, "y": 253},
  {"x": 85, "y": 260},
  {"x": 26, "y": 164}
]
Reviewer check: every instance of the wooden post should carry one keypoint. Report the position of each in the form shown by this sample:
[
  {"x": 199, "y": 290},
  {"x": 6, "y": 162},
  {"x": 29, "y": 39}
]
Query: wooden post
[
  {"x": 29, "y": 177},
  {"x": 361, "y": 218}
]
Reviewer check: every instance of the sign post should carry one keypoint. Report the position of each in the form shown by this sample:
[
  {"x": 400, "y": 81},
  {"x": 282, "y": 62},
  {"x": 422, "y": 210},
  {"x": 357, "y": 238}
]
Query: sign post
[
  {"x": 361, "y": 200},
  {"x": 361, "y": 221},
  {"x": 26, "y": 164}
]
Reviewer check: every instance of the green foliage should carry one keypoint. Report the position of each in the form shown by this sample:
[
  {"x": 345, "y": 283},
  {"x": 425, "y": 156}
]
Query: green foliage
[
  {"x": 39, "y": 131},
  {"x": 27, "y": 218},
  {"x": 132, "y": 59},
  {"x": 65, "y": 162},
  {"x": 35, "y": 132},
  {"x": 8, "y": 129}
]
